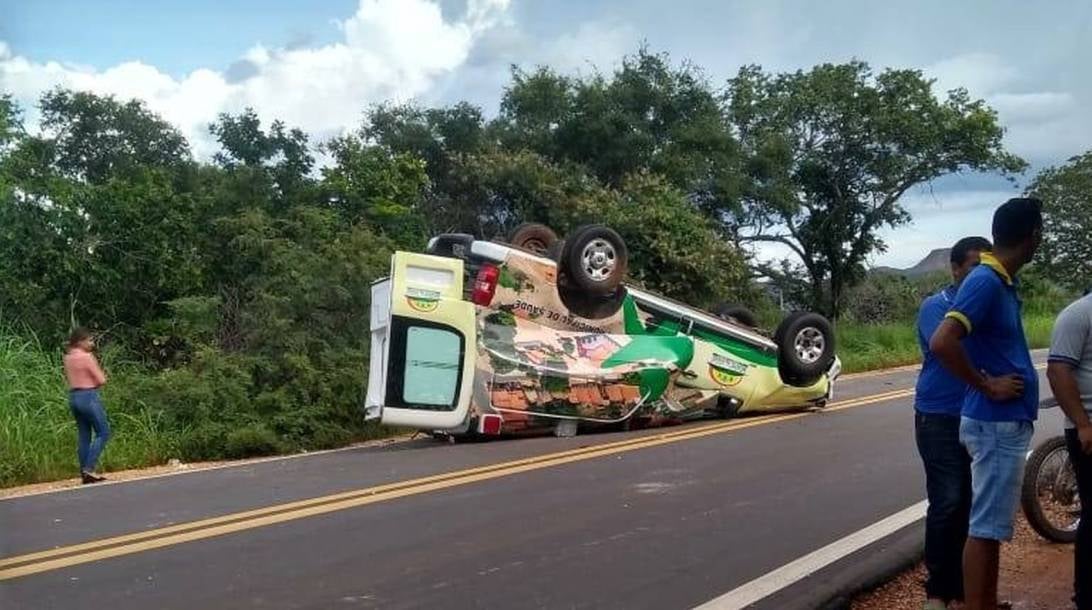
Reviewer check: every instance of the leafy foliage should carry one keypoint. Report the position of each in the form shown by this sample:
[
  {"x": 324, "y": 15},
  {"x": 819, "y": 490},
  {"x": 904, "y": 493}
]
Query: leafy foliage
[
  {"x": 1066, "y": 192},
  {"x": 649, "y": 116},
  {"x": 829, "y": 152}
]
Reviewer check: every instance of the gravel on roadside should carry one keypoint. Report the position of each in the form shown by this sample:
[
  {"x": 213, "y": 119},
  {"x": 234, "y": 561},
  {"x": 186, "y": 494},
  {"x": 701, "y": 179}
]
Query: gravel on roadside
[{"x": 1035, "y": 575}]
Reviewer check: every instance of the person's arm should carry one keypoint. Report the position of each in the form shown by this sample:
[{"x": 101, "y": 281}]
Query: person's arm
[
  {"x": 96, "y": 371},
  {"x": 947, "y": 347},
  {"x": 1067, "y": 346},
  {"x": 976, "y": 297}
]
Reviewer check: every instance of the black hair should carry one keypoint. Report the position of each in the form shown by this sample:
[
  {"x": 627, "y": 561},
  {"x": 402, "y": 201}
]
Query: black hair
[
  {"x": 79, "y": 335},
  {"x": 965, "y": 246},
  {"x": 1016, "y": 220}
]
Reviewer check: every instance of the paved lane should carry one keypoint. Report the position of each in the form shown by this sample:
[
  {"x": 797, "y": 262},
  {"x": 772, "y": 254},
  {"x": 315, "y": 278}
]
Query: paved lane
[{"x": 663, "y": 526}]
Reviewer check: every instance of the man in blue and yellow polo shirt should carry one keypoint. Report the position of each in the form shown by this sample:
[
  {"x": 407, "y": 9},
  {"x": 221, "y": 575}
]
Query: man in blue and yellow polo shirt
[
  {"x": 938, "y": 403},
  {"x": 982, "y": 342}
]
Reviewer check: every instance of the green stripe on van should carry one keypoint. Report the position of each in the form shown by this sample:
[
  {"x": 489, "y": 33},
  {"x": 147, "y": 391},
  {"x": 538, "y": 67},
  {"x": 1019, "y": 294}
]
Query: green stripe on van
[{"x": 666, "y": 328}]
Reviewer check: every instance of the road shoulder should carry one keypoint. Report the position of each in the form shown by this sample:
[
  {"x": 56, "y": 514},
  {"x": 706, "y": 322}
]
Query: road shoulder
[{"x": 1035, "y": 575}]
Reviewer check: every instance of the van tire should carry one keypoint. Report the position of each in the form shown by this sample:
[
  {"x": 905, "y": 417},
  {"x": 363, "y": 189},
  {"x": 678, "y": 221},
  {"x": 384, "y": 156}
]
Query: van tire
[
  {"x": 533, "y": 237},
  {"x": 451, "y": 245},
  {"x": 805, "y": 348},
  {"x": 595, "y": 260},
  {"x": 592, "y": 307},
  {"x": 739, "y": 314}
]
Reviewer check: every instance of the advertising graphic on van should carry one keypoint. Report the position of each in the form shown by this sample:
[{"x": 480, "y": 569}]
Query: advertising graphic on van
[{"x": 544, "y": 340}]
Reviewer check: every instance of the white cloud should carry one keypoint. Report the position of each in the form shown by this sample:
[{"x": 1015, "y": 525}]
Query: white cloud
[
  {"x": 1043, "y": 126},
  {"x": 1026, "y": 107},
  {"x": 592, "y": 46},
  {"x": 981, "y": 74},
  {"x": 392, "y": 49}
]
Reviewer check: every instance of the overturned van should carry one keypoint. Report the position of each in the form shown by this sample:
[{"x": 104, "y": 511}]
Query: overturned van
[{"x": 481, "y": 337}]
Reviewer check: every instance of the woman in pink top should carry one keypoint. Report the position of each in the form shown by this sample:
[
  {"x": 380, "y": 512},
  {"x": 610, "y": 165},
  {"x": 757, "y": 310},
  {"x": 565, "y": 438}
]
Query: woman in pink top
[{"x": 85, "y": 377}]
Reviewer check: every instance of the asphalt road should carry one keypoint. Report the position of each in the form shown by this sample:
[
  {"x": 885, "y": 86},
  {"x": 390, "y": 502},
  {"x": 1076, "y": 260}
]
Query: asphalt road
[{"x": 666, "y": 518}]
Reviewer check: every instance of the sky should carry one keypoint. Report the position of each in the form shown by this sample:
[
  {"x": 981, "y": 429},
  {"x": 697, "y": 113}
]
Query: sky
[{"x": 319, "y": 64}]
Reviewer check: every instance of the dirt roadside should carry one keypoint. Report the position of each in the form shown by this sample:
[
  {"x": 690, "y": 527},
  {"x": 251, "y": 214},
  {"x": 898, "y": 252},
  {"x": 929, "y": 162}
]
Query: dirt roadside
[{"x": 1035, "y": 575}]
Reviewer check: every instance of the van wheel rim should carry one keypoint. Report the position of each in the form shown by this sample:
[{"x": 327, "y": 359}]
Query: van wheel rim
[
  {"x": 809, "y": 344},
  {"x": 599, "y": 260}
]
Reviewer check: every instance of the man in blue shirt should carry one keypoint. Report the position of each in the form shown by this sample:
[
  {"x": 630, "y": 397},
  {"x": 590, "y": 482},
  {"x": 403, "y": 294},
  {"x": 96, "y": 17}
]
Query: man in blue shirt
[
  {"x": 937, "y": 406},
  {"x": 981, "y": 341}
]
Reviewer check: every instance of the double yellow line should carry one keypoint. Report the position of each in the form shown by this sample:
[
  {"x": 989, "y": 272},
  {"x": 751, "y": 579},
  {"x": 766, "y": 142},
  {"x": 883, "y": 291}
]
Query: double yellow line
[{"x": 54, "y": 559}]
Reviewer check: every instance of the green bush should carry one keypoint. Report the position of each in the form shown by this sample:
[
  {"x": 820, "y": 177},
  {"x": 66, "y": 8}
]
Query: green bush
[{"x": 251, "y": 440}]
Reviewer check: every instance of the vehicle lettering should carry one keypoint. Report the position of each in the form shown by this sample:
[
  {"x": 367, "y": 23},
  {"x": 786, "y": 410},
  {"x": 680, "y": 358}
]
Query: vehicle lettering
[
  {"x": 422, "y": 294},
  {"x": 728, "y": 365},
  {"x": 537, "y": 311}
]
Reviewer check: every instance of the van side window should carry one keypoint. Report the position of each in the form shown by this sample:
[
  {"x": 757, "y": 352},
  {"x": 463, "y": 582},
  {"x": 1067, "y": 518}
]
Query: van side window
[{"x": 432, "y": 366}]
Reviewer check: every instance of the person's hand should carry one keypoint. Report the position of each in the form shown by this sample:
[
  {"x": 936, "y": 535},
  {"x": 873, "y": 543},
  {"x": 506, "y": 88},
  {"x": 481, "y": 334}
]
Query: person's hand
[
  {"x": 1084, "y": 434},
  {"x": 1003, "y": 388}
]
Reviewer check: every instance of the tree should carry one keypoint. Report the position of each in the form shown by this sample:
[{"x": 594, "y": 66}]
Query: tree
[
  {"x": 831, "y": 151},
  {"x": 441, "y": 138},
  {"x": 368, "y": 184},
  {"x": 282, "y": 154},
  {"x": 495, "y": 192},
  {"x": 648, "y": 116},
  {"x": 1066, "y": 192},
  {"x": 433, "y": 135},
  {"x": 11, "y": 124},
  {"x": 95, "y": 227},
  {"x": 93, "y": 138}
]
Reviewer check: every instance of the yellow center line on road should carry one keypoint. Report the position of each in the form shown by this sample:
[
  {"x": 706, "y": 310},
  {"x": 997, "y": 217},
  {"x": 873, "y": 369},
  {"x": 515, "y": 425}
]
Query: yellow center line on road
[{"x": 53, "y": 559}]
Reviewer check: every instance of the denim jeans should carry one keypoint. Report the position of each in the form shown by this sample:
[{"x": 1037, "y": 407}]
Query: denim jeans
[
  {"x": 1082, "y": 567},
  {"x": 90, "y": 417},
  {"x": 998, "y": 450},
  {"x": 948, "y": 487}
]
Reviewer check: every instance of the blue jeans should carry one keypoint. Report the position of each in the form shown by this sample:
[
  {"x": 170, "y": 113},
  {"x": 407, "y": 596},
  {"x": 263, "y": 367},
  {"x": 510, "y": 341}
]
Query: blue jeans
[
  {"x": 948, "y": 487},
  {"x": 998, "y": 450},
  {"x": 90, "y": 416}
]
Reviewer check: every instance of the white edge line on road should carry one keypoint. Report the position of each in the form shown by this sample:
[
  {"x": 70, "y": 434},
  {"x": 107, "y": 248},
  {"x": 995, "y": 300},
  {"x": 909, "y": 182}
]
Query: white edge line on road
[{"x": 797, "y": 570}]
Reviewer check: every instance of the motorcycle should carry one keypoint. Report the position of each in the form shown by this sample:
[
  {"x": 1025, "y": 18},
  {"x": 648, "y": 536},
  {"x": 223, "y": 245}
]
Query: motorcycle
[{"x": 1049, "y": 495}]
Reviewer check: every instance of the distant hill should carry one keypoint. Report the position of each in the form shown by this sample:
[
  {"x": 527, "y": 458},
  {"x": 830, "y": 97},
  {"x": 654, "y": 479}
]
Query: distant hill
[{"x": 937, "y": 260}]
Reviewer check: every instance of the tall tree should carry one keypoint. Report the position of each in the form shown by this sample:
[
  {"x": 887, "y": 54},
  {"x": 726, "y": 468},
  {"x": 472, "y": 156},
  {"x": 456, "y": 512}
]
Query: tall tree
[
  {"x": 281, "y": 153},
  {"x": 439, "y": 137},
  {"x": 93, "y": 137},
  {"x": 369, "y": 184},
  {"x": 831, "y": 151},
  {"x": 1066, "y": 192},
  {"x": 11, "y": 124},
  {"x": 647, "y": 116},
  {"x": 100, "y": 230}
]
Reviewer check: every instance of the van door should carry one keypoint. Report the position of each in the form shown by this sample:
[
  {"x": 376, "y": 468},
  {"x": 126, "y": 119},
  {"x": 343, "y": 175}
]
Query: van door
[{"x": 426, "y": 345}]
